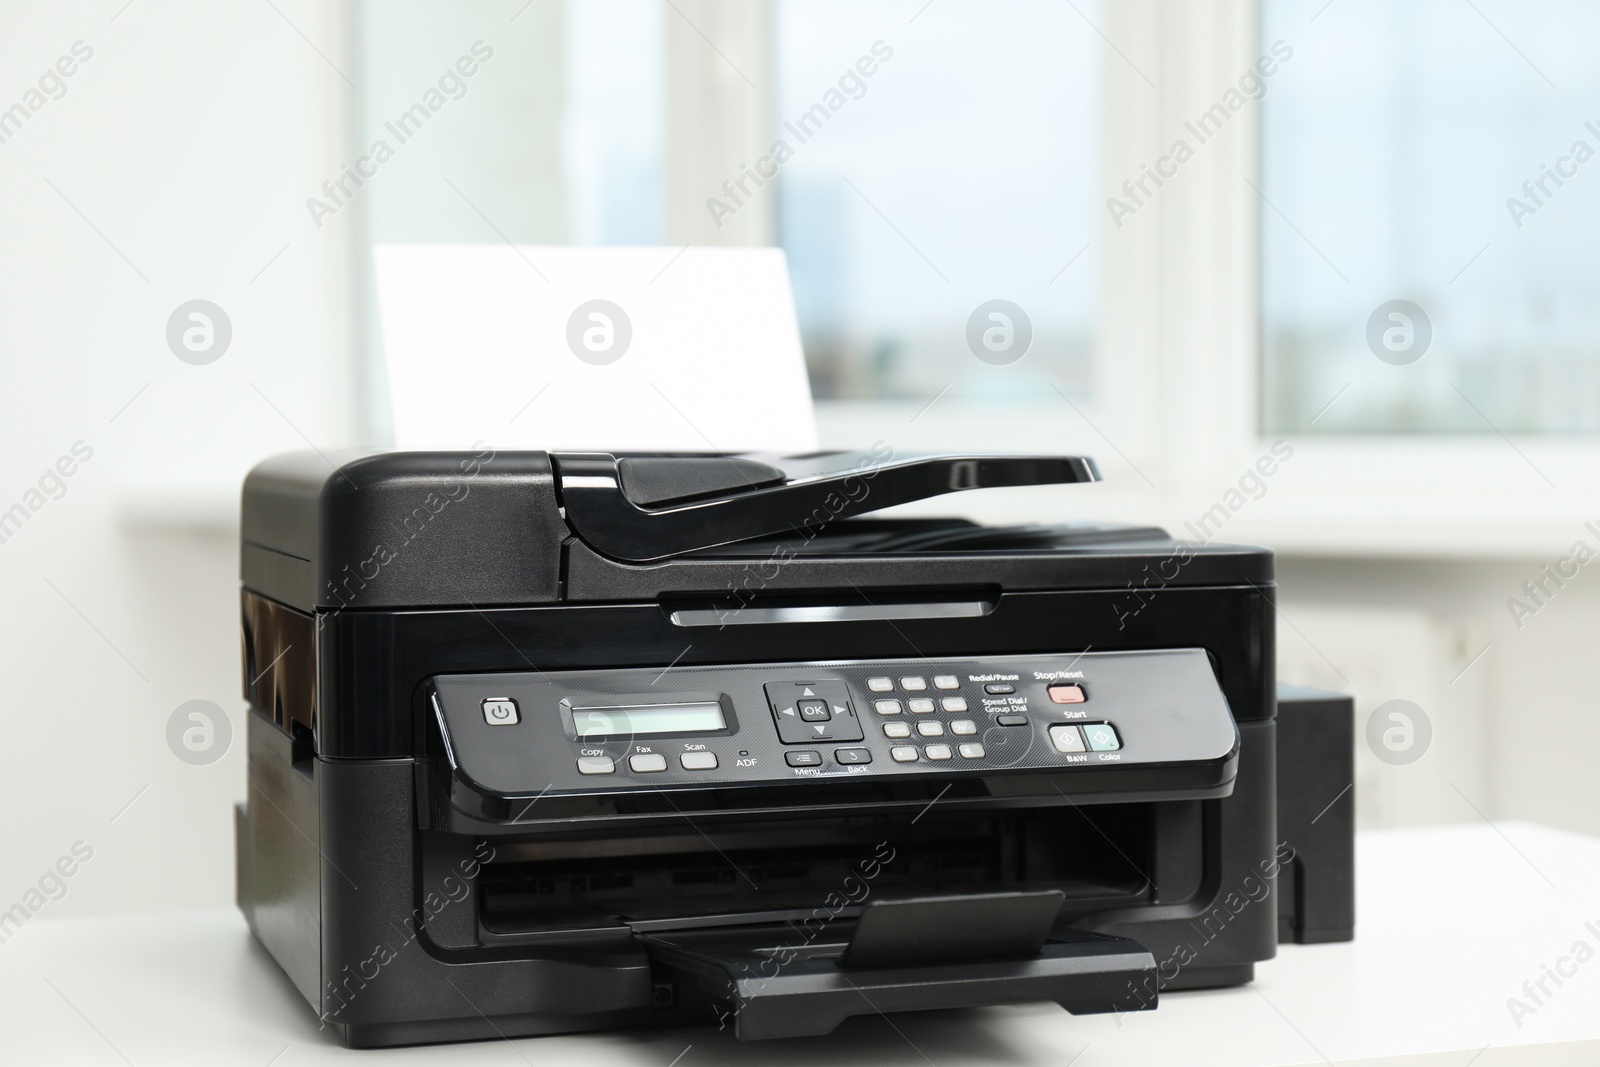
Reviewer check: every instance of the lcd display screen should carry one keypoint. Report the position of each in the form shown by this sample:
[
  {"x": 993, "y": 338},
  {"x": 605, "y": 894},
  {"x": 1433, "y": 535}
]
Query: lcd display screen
[{"x": 643, "y": 719}]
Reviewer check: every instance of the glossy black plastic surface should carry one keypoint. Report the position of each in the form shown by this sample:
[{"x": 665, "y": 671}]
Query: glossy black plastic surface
[
  {"x": 817, "y": 490},
  {"x": 372, "y": 699}
]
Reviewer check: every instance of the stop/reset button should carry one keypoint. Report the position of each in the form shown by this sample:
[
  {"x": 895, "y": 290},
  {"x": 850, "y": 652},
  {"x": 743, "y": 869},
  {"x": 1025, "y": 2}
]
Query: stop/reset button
[{"x": 1067, "y": 694}]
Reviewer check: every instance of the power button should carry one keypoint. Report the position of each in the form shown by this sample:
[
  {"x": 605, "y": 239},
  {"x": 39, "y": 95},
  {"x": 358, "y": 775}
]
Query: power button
[{"x": 500, "y": 711}]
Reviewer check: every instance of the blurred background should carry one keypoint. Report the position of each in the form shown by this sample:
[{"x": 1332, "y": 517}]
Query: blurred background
[{"x": 1363, "y": 228}]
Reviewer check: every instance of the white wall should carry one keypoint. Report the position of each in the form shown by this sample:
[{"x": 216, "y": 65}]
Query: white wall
[
  {"x": 188, "y": 142},
  {"x": 1515, "y": 733}
]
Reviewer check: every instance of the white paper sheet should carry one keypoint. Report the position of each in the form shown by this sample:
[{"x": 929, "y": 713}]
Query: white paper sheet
[{"x": 703, "y": 356}]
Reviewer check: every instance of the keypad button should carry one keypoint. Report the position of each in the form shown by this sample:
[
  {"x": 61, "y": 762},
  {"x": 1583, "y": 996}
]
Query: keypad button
[
  {"x": 853, "y": 755},
  {"x": 1011, "y": 720},
  {"x": 963, "y": 726},
  {"x": 653, "y": 761},
  {"x": 896, "y": 729},
  {"x": 500, "y": 711},
  {"x": 1066, "y": 694},
  {"x": 1066, "y": 738},
  {"x": 596, "y": 765},
  {"x": 1102, "y": 737},
  {"x": 930, "y": 729},
  {"x": 946, "y": 681},
  {"x": 937, "y": 751},
  {"x": 920, "y": 705},
  {"x": 803, "y": 758},
  {"x": 954, "y": 703},
  {"x": 881, "y": 685},
  {"x": 914, "y": 684},
  {"x": 999, "y": 688},
  {"x": 698, "y": 761},
  {"x": 971, "y": 751},
  {"x": 887, "y": 707},
  {"x": 903, "y": 753}
]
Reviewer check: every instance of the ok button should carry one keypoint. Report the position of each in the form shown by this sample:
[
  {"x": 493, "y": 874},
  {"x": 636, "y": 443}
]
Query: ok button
[{"x": 814, "y": 711}]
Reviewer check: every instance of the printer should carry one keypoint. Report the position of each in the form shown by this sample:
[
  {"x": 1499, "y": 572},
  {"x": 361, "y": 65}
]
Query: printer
[{"x": 543, "y": 742}]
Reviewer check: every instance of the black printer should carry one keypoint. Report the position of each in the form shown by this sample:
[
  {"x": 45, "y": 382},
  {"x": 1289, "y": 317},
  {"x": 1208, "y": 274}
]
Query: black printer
[{"x": 544, "y": 742}]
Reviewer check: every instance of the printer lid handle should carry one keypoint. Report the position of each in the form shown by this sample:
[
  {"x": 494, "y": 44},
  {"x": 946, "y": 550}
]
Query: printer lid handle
[{"x": 641, "y": 508}]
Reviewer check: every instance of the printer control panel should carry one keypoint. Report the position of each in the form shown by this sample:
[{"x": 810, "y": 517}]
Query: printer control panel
[{"x": 609, "y": 730}]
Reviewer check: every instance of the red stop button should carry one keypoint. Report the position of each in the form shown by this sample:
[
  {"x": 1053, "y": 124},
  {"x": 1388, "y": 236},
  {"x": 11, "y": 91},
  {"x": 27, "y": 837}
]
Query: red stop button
[{"x": 1067, "y": 694}]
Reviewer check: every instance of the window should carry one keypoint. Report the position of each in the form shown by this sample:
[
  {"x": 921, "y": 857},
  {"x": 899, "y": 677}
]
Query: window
[
  {"x": 1453, "y": 166},
  {"x": 943, "y": 157},
  {"x": 613, "y": 125},
  {"x": 964, "y": 168}
]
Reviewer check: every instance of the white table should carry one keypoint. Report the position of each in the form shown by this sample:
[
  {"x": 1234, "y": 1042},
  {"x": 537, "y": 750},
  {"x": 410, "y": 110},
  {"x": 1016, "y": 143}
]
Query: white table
[{"x": 1451, "y": 922}]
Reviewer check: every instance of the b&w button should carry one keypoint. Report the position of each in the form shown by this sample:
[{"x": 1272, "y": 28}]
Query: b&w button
[{"x": 1066, "y": 738}]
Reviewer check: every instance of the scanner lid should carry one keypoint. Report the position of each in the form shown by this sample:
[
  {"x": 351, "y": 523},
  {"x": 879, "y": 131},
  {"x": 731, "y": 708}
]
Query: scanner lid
[
  {"x": 641, "y": 508},
  {"x": 385, "y": 530}
]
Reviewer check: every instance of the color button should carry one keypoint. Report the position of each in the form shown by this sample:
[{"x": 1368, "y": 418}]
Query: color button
[
  {"x": 803, "y": 758},
  {"x": 1102, "y": 737},
  {"x": 887, "y": 707},
  {"x": 920, "y": 705},
  {"x": 937, "y": 751},
  {"x": 596, "y": 765},
  {"x": 971, "y": 751},
  {"x": 1066, "y": 739},
  {"x": 698, "y": 761},
  {"x": 1067, "y": 694},
  {"x": 881, "y": 685},
  {"x": 653, "y": 761},
  {"x": 946, "y": 681},
  {"x": 930, "y": 729},
  {"x": 896, "y": 729},
  {"x": 853, "y": 755},
  {"x": 963, "y": 726},
  {"x": 903, "y": 753}
]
